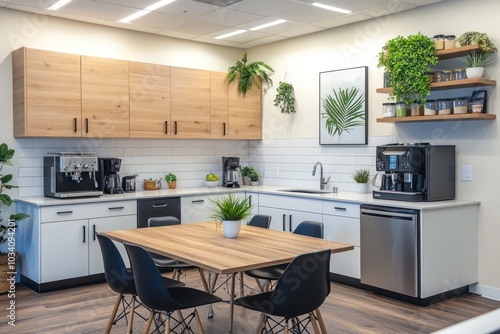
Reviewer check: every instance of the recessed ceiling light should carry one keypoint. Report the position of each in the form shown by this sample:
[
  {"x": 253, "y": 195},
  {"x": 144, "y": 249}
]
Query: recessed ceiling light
[
  {"x": 335, "y": 9},
  {"x": 270, "y": 24},
  {"x": 237, "y": 32},
  {"x": 59, "y": 4},
  {"x": 145, "y": 11}
]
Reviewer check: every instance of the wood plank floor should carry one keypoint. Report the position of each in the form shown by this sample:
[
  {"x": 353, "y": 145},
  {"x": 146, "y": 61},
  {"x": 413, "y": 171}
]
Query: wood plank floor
[{"x": 347, "y": 310}]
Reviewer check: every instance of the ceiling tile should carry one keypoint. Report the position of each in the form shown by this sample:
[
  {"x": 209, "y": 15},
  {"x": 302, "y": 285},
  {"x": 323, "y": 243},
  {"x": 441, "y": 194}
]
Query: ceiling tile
[
  {"x": 159, "y": 20},
  {"x": 342, "y": 20},
  {"x": 187, "y": 8},
  {"x": 393, "y": 7},
  {"x": 264, "y": 7},
  {"x": 307, "y": 14},
  {"x": 97, "y": 9},
  {"x": 198, "y": 27},
  {"x": 303, "y": 31},
  {"x": 228, "y": 17},
  {"x": 138, "y": 4}
]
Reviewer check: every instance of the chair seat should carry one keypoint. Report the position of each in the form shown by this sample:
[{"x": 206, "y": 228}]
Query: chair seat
[
  {"x": 164, "y": 262},
  {"x": 270, "y": 273},
  {"x": 188, "y": 297}
]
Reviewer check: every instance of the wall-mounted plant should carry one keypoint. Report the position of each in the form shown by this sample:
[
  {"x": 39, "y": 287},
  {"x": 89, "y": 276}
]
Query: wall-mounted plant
[
  {"x": 249, "y": 74},
  {"x": 408, "y": 60},
  {"x": 284, "y": 98},
  {"x": 344, "y": 110},
  {"x": 474, "y": 37}
]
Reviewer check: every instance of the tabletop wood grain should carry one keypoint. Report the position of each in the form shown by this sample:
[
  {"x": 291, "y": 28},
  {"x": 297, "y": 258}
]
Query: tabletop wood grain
[{"x": 204, "y": 245}]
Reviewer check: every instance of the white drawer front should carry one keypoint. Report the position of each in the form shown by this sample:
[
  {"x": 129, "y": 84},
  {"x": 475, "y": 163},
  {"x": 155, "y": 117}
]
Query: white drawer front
[
  {"x": 89, "y": 210},
  {"x": 341, "y": 209},
  {"x": 346, "y": 263},
  {"x": 290, "y": 203},
  {"x": 342, "y": 229}
]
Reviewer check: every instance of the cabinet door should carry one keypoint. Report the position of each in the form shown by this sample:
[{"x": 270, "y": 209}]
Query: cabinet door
[
  {"x": 103, "y": 225},
  {"x": 47, "y": 94},
  {"x": 149, "y": 100},
  {"x": 297, "y": 217},
  {"x": 105, "y": 97},
  {"x": 195, "y": 209},
  {"x": 190, "y": 103},
  {"x": 64, "y": 250},
  {"x": 254, "y": 202},
  {"x": 219, "y": 105},
  {"x": 245, "y": 113},
  {"x": 279, "y": 221}
]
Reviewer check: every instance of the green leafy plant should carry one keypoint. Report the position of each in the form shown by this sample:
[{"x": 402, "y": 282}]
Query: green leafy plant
[
  {"x": 6, "y": 154},
  {"x": 474, "y": 37},
  {"x": 170, "y": 177},
  {"x": 254, "y": 176},
  {"x": 408, "y": 60},
  {"x": 361, "y": 176},
  {"x": 344, "y": 110},
  {"x": 284, "y": 98},
  {"x": 477, "y": 59},
  {"x": 247, "y": 171},
  {"x": 249, "y": 74},
  {"x": 230, "y": 207}
]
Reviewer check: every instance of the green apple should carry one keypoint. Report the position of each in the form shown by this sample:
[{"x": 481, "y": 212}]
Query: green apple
[{"x": 212, "y": 177}]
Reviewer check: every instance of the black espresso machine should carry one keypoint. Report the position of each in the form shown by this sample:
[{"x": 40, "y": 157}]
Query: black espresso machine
[
  {"x": 231, "y": 172},
  {"x": 70, "y": 175},
  {"x": 416, "y": 172}
]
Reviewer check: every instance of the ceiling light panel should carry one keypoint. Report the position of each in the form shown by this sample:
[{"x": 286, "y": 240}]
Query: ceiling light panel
[
  {"x": 145, "y": 11},
  {"x": 267, "y": 25},
  {"x": 334, "y": 9},
  {"x": 59, "y": 4}
]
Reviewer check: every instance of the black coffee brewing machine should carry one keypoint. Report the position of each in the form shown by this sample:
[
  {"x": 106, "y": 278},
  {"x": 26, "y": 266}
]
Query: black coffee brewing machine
[
  {"x": 231, "y": 172},
  {"x": 416, "y": 172},
  {"x": 108, "y": 177}
]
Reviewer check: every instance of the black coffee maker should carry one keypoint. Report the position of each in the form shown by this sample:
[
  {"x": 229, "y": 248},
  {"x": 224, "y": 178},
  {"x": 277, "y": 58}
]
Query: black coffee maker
[
  {"x": 231, "y": 172},
  {"x": 108, "y": 178}
]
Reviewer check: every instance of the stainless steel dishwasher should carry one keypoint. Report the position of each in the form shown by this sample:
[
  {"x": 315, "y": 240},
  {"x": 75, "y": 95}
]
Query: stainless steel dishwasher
[{"x": 390, "y": 249}]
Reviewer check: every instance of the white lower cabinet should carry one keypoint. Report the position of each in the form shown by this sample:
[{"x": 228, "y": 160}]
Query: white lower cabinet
[{"x": 196, "y": 209}]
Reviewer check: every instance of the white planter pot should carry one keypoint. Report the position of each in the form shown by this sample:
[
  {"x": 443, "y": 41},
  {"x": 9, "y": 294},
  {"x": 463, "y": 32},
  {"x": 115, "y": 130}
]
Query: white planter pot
[
  {"x": 361, "y": 188},
  {"x": 474, "y": 72},
  {"x": 254, "y": 183},
  {"x": 231, "y": 228}
]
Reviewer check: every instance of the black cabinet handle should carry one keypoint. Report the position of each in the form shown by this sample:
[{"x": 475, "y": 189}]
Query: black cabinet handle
[
  {"x": 284, "y": 226},
  {"x": 250, "y": 200},
  {"x": 159, "y": 205},
  {"x": 198, "y": 201},
  {"x": 175, "y": 127},
  {"x": 224, "y": 131},
  {"x": 86, "y": 125},
  {"x": 116, "y": 208},
  {"x": 74, "y": 124},
  {"x": 84, "y": 233},
  {"x": 166, "y": 127},
  {"x": 94, "y": 233},
  {"x": 64, "y": 212},
  {"x": 290, "y": 223},
  {"x": 339, "y": 208}
]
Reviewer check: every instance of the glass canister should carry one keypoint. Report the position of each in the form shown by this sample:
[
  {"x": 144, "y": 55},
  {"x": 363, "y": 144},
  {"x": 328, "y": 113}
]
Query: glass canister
[
  {"x": 430, "y": 108},
  {"x": 449, "y": 42},
  {"x": 459, "y": 74},
  {"x": 415, "y": 109},
  {"x": 448, "y": 75},
  {"x": 438, "y": 42},
  {"x": 389, "y": 109},
  {"x": 460, "y": 105},
  {"x": 401, "y": 109},
  {"x": 444, "y": 106},
  {"x": 439, "y": 76}
]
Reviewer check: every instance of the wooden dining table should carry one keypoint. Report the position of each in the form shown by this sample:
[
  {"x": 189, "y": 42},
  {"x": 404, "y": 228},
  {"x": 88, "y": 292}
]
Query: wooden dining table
[{"x": 204, "y": 245}]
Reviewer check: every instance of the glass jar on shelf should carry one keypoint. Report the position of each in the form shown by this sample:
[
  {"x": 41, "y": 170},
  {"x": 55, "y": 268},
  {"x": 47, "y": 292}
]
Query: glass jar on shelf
[
  {"x": 415, "y": 109},
  {"x": 444, "y": 106},
  {"x": 459, "y": 74},
  {"x": 439, "y": 76},
  {"x": 401, "y": 109},
  {"x": 389, "y": 109},
  {"x": 448, "y": 75},
  {"x": 460, "y": 105},
  {"x": 449, "y": 42},
  {"x": 438, "y": 42},
  {"x": 430, "y": 108}
]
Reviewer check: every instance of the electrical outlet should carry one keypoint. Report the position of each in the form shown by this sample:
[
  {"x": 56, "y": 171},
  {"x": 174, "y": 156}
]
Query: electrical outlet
[{"x": 467, "y": 173}]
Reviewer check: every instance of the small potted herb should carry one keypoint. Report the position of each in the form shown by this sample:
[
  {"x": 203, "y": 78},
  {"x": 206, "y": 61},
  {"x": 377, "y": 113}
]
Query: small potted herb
[
  {"x": 361, "y": 177},
  {"x": 475, "y": 62},
  {"x": 245, "y": 174},
  {"x": 254, "y": 178},
  {"x": 230, "y": 210},
  {"x": 171, "y": 180}
]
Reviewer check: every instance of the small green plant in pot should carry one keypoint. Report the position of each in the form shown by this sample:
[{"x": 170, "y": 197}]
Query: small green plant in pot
[
  {"x": 249, "y": 74},
  {"x": 230, "y": 210},
  {"x": 171, "y": 179},
  {"x": 254, "y": 178},
  {"x": 361, "y": 177},
  {"x": 245, "y": 173},
  {"x": 475, "y": 62}
]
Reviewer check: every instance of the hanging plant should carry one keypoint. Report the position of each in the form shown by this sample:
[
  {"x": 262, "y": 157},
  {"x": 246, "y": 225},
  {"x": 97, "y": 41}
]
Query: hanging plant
[
  {"x": 284, "y": 98},
  {"x": 408, "y": 60},
  {"x": 249, "y": 74}
]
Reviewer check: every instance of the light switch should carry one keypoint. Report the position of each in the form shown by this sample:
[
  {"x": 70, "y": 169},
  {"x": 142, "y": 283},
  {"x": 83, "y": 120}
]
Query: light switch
[{"x": 467, "y": 173}]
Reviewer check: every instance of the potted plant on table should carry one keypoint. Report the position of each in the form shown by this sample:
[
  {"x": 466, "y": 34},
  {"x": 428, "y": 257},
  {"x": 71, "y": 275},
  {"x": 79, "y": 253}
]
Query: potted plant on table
[
  {"x": 230, "y": 210},
  {"x": 171, "y": 179},
  {"x": 7, "y": 229},
  {"x": 361, "y": 177}
]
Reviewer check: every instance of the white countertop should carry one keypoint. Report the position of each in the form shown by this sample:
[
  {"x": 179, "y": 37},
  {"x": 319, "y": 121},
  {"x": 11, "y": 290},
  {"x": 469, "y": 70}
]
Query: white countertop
[{"x": 342, "y": 196}]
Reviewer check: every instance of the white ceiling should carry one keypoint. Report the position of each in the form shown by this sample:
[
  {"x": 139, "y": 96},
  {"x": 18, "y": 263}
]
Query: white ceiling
[{"x": 200, "y": 21}]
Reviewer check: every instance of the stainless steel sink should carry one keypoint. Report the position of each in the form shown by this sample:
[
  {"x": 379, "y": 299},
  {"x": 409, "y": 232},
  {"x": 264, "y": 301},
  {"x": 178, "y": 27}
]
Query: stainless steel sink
[{"x": 306, "y": 191}]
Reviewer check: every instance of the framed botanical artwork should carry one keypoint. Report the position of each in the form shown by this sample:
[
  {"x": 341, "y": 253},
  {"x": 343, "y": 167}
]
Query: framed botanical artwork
[{"x": 343, "y": 106}]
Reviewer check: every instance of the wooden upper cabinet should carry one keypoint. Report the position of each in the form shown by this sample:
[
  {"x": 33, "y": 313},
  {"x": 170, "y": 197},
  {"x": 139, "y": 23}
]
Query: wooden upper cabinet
[
  {"x": 105, "y": 97},
  {"x": 149, "y": 100},
  {"x": 190, "y": 103},
  {"x": 219, "y": 105},
  {"x": 245, "y": 113},
  {"x": 46, "y": 94}
]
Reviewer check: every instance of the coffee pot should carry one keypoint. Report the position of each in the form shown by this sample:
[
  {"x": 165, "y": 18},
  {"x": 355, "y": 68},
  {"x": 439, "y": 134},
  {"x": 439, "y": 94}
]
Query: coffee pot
[{"x": 128, "y": 183}]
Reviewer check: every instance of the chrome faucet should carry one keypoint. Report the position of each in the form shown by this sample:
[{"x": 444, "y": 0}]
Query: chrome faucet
[{"x": 322, "y": 181}]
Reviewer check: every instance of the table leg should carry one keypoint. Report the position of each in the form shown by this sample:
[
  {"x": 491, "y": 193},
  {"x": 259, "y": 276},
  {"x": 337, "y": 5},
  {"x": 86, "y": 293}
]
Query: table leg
[
  {"x": 208, "y": 288},
  {"x": 231, "y": 302}
]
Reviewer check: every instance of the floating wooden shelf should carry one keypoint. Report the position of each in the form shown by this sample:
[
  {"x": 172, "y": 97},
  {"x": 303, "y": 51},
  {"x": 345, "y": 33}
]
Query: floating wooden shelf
[
  {"x": 457, "y": 52},
  {"x": 437, "y": 118},
  {"x": 454, "y": 84}
]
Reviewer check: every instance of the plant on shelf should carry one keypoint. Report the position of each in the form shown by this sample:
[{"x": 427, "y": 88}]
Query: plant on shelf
[
  {"x": 171, "y": 180},
  {"x": 408, "y": 60},
  {"x": 249, "y": 74},
  {"x": 474, "y": 37},
  {"x": 475, "y": 62},
  {"x": 284, "y": 98},
  {"x": 245, "y": 173},
  {"x": 361, "y": 177},
  {"x": 230, "y": 210},
  {"x": 7, "y": 229}
]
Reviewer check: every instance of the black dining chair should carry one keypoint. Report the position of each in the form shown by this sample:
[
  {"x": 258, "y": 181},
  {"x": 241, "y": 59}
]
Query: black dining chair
[
  {"x": 301, "y": 290},
  {"x": 165, "y": 263},
  {"x": 272, "y": 273},
  {"x": 263, "y": 221},
  {"x": 163, "y": 300},
  {"x": 121, "y": 281}
]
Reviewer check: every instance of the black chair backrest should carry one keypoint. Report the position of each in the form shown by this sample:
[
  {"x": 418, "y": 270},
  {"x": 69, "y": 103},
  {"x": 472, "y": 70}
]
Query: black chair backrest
[
  {"x": 163, "y": 221},
  {"x": 148, "y": 280},
  {"x": 310, "y": 228},
  {"x": 117, "y": 275},
  {"x": 263, "y": 221},
  {"x": 303, "y": 287}
]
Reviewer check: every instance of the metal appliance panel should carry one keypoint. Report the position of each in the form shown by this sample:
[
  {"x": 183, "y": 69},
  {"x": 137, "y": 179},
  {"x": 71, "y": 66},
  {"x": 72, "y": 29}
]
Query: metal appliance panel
[
  {"x": 389, "y": 249},
  {"x": 157, "y": 207}
]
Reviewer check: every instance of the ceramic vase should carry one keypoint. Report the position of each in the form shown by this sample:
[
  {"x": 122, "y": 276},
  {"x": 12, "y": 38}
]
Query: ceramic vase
[
  {"x": 246, "y": 180},
  {"x": 254, "y": 183},
  {"x": 172, "y": 185},
  {"x": 474, "y": 72},
  {"x": 361, "y": 188},
  {"x": 231, "y": 228}
]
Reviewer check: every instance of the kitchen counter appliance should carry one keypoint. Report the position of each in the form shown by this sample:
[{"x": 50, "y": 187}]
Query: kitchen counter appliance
[
  {"x": 70, "y": 175},
  {"x": 231, "y": 172},
  {"x": 108, "y": 178},
  {"x": 416, "y": 172}
]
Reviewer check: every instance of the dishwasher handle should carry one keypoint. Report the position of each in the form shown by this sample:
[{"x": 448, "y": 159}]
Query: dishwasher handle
[{"x": 387, "y": 213}]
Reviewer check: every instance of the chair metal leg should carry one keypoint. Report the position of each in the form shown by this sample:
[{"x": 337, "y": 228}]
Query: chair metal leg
[
  {"x": 198, "y": 322},
  {"x": 131, "y": 316},
  {"x": 113, "y": 314},
  {"x": 148, "y": 324},
  {"x": 312, "y": 316},
  {"x": 320, "y": 321}
]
